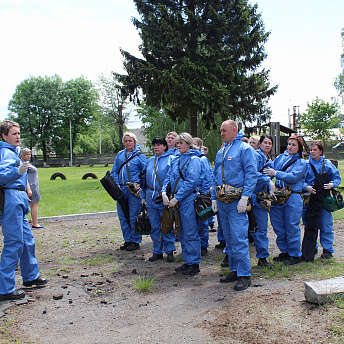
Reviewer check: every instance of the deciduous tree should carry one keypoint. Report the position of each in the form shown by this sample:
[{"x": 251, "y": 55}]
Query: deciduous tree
[{"x": 319, "y": 118}]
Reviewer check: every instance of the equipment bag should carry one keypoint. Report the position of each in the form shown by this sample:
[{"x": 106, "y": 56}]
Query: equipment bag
[
  {"x": 227, "y": 194},
  {"x": 202, "y": 204},
  {"x": 282, "y": 195},
  {"x": 142, "y": 224},
  {"x": 111, "y": 186},
  {"x": 334, "y": 202}
]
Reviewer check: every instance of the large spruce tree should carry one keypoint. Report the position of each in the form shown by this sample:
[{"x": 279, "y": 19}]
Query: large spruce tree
[{"x": 201, "y": 58}]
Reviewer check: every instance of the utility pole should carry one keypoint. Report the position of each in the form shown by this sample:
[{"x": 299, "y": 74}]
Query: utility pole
[
  {"x": 296, "y": 126},
  {"x": 71, "y": 144}
]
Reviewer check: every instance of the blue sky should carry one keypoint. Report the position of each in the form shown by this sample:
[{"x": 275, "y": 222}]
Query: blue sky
[{"x": 82, "y": 37}]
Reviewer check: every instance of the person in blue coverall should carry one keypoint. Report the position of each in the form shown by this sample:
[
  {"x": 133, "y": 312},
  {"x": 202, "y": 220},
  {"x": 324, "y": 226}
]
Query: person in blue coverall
[
  {"x": 235, "y": 165},
  {"x": 156, "y": 172},
  {"x": 325, "y": 221},
  {"x": 264, "y": 182},
  {"x": 289, "y": 169},
  {"x": 128, "y": 165},
  {"x": 184, "y": 177},
  {"x": 204, "y": 185},
  {"x": 19, "y": 243},
  {"x": 211, "y": 220}
]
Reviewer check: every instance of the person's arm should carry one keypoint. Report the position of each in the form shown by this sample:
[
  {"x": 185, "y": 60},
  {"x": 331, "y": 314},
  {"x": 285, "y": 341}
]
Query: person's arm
[{"x": 28, "y": 190}]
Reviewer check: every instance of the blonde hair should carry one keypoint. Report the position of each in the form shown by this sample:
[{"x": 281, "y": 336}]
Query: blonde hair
[
  {"x": 24, "y": 151},
  {"x": 185, "y": 137},
  {"x": 171, "y": 133},
  {"x": 199, "y": 142},
  {"x": 132, "y": 135},
  {"x": 255, "y": 137}
]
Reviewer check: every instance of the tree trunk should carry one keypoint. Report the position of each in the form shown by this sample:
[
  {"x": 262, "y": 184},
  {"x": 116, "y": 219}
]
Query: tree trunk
[
  {"x": 193, "y": 123},
  {"x": 120, "y": 125}
]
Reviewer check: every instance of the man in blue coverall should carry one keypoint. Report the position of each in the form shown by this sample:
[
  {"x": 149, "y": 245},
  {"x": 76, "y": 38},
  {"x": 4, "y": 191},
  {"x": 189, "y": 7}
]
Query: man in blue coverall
[{"x": 235, "y": 165}]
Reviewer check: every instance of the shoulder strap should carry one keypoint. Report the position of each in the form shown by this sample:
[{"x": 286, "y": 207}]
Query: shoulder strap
[
  {"x": 180, "y": 174},
  {"x": 314, "y": 170},
  {"x": 288, "y": 165},
  {"x": 156, "y": 173},
  {"x": 127, "y": 160}
]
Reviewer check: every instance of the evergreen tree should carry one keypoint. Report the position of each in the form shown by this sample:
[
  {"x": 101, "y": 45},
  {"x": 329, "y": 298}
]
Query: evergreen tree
[{"x": 201, "y": 58}]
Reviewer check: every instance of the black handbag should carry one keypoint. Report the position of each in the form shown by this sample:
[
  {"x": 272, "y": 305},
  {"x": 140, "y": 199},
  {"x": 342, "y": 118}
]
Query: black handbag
[{"x": 142, "y": 224}]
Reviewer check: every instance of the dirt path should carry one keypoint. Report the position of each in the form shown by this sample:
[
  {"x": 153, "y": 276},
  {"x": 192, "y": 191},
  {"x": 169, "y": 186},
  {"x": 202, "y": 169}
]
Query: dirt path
[{"x": 99, "y": 304}]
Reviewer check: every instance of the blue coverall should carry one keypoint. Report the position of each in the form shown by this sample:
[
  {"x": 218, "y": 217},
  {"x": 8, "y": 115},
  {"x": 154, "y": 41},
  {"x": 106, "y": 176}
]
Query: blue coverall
[
  {"x": 261, "y": 236},
  {"x": 204, "y": 185},
  {"x": 240, "y": 170},
  {"x": 19, "y": 243},
  {"x": 135, "y": 166},
  {"x": 162, "y": 165},
  {"x": 285, "y": 218},
  {"x": 185, "y": 193},
  {"x": 326, "y": 219}
]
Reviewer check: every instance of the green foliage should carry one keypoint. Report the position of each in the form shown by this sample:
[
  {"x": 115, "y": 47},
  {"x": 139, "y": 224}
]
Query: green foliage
[
  {"x": 339, "y": 83},
  {"x": 79, "y": 107},
  {"x": 201, "y": 59},
  {"x": 112, "y": 102},
  {"x": 43, "y": 107},
  {"x": 143, "y": 282},
  {"x": 319, "y": 118},
  {"x": 158, "y": 123}
]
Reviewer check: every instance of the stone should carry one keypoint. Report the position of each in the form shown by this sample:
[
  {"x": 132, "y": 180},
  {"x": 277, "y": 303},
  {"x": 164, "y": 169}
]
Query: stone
[
  {"x": 21, "y": 302},
  {"x": 324, "y": 291},
  {"x": 57, "y": 296}
]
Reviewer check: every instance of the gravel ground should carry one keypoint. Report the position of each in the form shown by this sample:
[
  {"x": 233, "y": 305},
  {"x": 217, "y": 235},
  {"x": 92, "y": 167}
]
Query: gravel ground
[{"x": 90, "y": 297}]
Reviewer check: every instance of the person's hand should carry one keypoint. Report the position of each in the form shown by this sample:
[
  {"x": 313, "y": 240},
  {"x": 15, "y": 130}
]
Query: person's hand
[
  {"x": 29, "y": 192},
  {"x": 143, "y": 201},
  {"x": 310, "y": 189},
  {"x": 173, "y": 202},
  {"x": 270, "y": 172},
  {"x": 23, "y": 167},
  {"x": 272, "y": 188},
  {"x": 214, "y": 206},
  {"x": 242, "y": 204},
  {"x": 165, "y": 199},
  {"x": 328, "y": 186}
]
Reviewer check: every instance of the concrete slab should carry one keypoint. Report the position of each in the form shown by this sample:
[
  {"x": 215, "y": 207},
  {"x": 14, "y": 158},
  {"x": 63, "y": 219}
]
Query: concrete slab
[
  {"x": 74, "y": 217},
  {"x": 324, "y": 291}
]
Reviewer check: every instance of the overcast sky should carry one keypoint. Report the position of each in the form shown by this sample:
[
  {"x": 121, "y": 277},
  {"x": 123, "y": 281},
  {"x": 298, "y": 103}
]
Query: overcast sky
[{"x": 82, "y": 37}]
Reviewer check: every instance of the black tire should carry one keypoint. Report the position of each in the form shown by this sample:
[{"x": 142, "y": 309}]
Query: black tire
[
  {"x": 58, "y": 174},
  {"x": 89, "y": 174}
]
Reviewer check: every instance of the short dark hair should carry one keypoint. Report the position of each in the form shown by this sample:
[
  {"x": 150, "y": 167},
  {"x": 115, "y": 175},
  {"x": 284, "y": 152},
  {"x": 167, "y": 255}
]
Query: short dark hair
[
  {"x": 265, "y": 136},
  {"x": 318, "y": 144},
  {"x": 160, "y": 140}
]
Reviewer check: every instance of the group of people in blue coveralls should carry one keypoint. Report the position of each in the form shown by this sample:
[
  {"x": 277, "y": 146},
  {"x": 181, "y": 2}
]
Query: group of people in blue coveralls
[
  {"x": 240, "y": 165},
  {"x": 19, "y": 243}
]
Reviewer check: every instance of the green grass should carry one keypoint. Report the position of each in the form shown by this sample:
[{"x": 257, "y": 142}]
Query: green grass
[
  {"x": 77, "y": 196},
  {"x": 74, "y": 195},
  {"x": 143, "y": 282}
]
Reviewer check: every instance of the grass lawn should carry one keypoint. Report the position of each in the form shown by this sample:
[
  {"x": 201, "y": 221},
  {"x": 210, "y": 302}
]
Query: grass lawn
[{"x": 74, "y": 195}]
